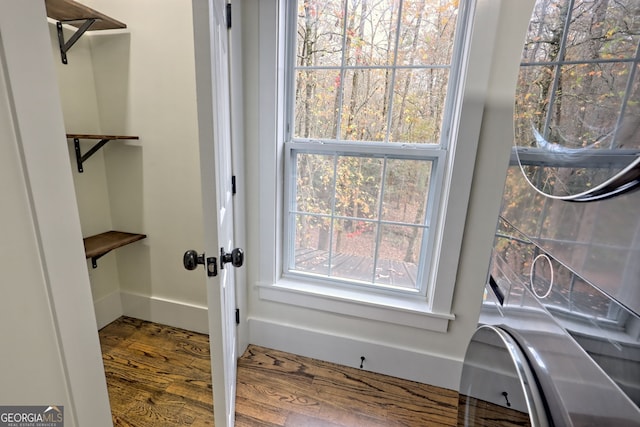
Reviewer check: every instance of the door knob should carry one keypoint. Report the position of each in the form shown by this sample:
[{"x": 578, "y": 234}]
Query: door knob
[
  {"x": 235, "y": 257},
  {"x": 191, "y": 260}
]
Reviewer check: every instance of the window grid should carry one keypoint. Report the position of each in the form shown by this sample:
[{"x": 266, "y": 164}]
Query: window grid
[
  {"x": 433, "y": 157},
  {"x": 344, "y": 67},
  {"x": 634, "y": 64},
  {"x": 378, "y": 221},
  {"x": 432, "y": 152}
]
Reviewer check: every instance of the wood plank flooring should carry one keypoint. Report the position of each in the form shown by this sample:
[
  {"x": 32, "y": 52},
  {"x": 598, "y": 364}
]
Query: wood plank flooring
[
  {"x": 160, "y": 376},
  {"x": 156, "y": 375},
  {"x": 487, "y": 414}
]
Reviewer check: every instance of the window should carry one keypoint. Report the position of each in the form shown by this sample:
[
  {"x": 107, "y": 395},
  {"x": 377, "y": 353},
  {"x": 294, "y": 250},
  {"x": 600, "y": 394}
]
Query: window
[
  {"x": 370, "y": 95},
  {"x": 579, "y": 89},
  {"x": 322, "y": 164},
  {"x": 577, "y": 103}
]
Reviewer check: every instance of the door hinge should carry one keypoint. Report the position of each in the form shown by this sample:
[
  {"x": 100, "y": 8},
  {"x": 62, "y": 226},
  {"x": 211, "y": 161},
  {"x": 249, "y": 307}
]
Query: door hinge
[
  {"x": 233, "y": 184},
  {"x": 228, "y": 15},
  {"x": 237, "y": 316}
]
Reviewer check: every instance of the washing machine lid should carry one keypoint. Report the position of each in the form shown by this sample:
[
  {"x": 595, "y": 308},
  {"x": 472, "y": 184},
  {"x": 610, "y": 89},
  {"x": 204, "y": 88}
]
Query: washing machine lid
[{"x": 498, "y": 386}]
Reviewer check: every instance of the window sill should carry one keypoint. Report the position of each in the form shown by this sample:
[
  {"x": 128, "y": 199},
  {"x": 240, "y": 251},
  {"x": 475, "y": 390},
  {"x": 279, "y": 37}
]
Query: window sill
[{"x": 405, "y": 311}]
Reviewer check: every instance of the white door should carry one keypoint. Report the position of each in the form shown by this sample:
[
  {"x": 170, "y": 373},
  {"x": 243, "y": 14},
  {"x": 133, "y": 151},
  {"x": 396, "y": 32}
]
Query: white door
[{"x": 214, "y": 125}]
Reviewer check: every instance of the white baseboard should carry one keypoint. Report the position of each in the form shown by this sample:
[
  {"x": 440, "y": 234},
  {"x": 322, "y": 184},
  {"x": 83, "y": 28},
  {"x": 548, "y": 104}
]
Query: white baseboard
[
  {"x": 403, "y": 363},
  {"x": 159, "y": 310},
  {"x": 108, "y": 309}
]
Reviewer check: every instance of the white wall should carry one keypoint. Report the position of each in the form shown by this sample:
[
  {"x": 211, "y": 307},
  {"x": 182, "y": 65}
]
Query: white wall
[
  {"x": 81, "y": 116},
  {"x": 140, "y": 81}
]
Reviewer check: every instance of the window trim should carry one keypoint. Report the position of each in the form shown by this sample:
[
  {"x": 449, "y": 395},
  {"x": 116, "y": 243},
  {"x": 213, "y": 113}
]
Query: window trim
[
  {"x": 395, "y": 309},
  {"x": 434, "y": 311}
]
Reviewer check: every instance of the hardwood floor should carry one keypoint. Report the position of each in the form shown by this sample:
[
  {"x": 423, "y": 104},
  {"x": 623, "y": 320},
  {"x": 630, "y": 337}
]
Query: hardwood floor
[
  {"x": 156, "y": 375},
  {"x": 160, "y": 376}
]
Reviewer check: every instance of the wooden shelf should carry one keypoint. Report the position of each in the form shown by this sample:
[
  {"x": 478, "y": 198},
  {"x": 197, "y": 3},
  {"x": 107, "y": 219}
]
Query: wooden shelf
[
  {"x": 109, "y": 137},
  {"x": 80, "y": 16},
  {"x": 103, "y": 243},
  {"x": 81, "y": 158},
  {"x": 75, "y": 14}
]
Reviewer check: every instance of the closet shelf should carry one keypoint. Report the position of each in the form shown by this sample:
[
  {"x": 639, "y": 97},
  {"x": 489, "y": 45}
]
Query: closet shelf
[
  {"x": 81, "y": 158},
  {"x": 80, "y": 16},
  {"x": 103, "y": 243}
]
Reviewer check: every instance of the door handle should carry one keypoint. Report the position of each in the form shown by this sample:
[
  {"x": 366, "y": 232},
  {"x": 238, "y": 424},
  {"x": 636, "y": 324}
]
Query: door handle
[
  {"x": 191, "y": 260},
  {"x": 235, "y": 257}
]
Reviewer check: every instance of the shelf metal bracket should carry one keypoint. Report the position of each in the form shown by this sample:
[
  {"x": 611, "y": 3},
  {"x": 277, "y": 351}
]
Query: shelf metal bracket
[
  {"x": 65, "y": 46},
  {"x": 81, "y": 158},
  {"x": 94, "y": 260}
]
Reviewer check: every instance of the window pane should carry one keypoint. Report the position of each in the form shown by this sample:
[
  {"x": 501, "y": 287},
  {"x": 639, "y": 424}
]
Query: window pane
[
  {"x": 358, "y": 187},
  {"x": 614, "y": 35},
  {"x": 588, "y": 103},
  {"x": 320, "y": 24},
  {"x": 365, "y": 104},
  {"x": 314, "y": 183},
  {"x": 532, "y": 100},
  {"x": 353, "y": 249},
  {"x": 371, "y": 30},
  {"x": 317, "y": 101},
  {"x": 427, "y": 32},
  {"x": 312, "y": 244},
  {"x": 599, "y": 29},
  {"x": 545, "y": 31},
  {"x": 398, "y": 256},
  {"x": 406, "y": 190},
  {"x": 418, "y": 105}
]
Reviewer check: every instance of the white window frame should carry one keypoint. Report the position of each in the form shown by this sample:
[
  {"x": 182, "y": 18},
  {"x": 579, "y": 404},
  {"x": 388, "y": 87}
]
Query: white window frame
[{"x": 431, "y": 311}]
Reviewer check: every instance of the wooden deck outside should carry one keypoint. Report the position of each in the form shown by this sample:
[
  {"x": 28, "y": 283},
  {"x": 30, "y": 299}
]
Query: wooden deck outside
[{"x": 388, "y": 272}]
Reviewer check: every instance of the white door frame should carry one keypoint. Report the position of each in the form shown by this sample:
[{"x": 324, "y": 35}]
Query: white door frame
[{"x": 25, "y": 54}]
